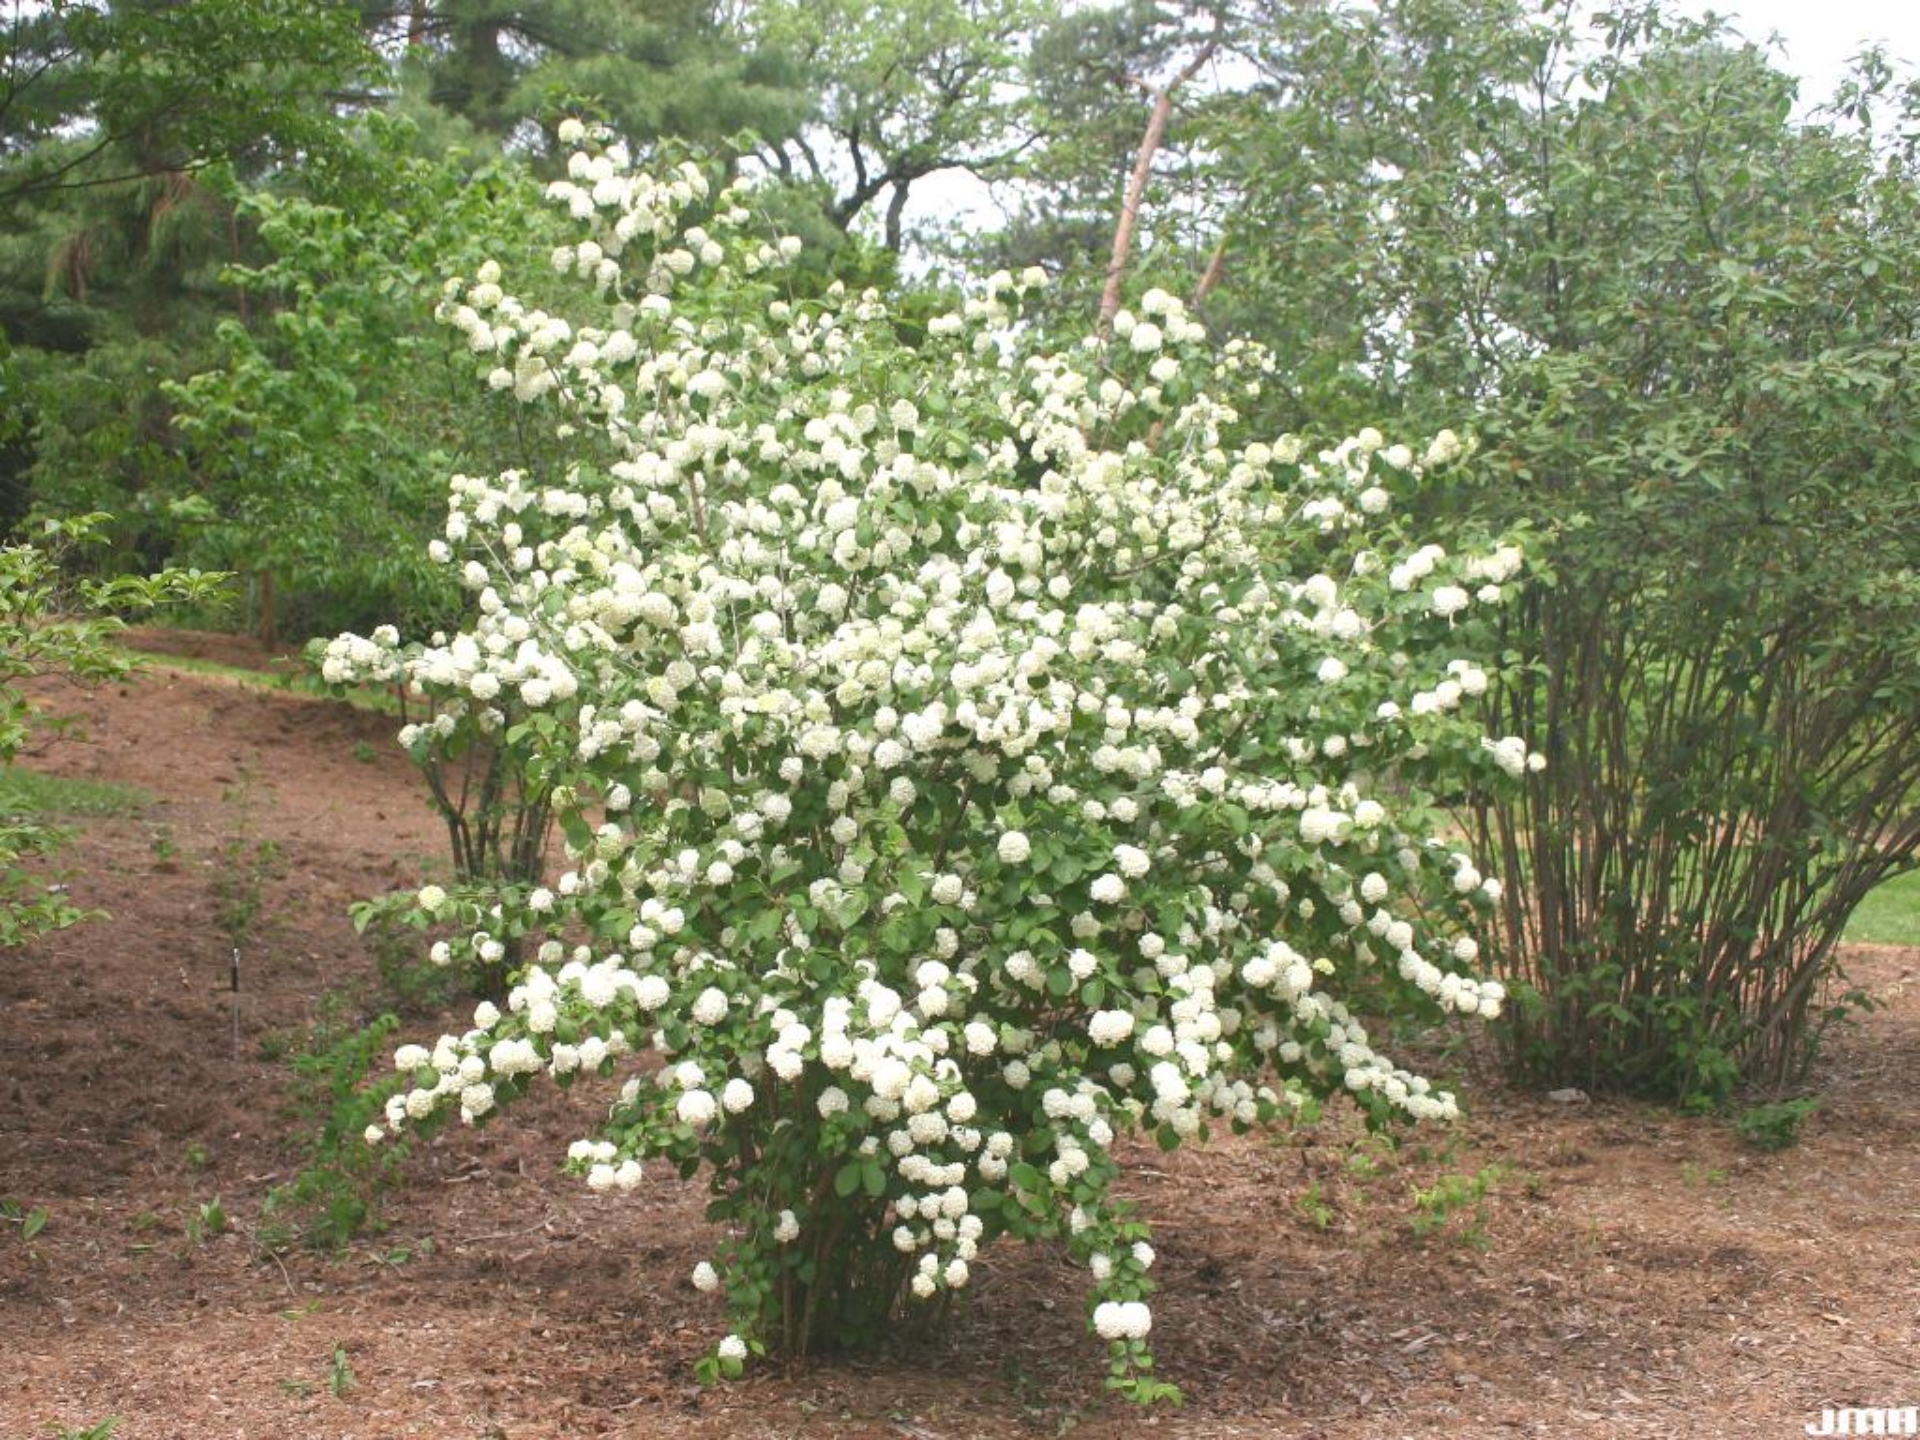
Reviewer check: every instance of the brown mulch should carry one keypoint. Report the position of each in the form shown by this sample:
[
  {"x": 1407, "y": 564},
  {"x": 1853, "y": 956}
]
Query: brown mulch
[{"x": 1631, "y": 1272}]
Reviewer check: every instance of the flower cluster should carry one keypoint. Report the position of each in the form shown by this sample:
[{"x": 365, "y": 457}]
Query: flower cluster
[{"x": 968, "y": 753}]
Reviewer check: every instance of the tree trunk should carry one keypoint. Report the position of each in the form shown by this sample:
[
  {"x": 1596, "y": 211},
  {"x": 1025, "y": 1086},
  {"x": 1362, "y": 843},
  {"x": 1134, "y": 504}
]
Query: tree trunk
[
  {"x": 269, "y": 620},
  {"x": 1137, "y": 184}
]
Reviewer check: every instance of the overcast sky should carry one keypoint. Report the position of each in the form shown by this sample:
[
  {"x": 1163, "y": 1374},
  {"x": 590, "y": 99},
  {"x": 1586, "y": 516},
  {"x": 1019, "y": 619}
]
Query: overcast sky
[{"x": 1817, "y": 36}]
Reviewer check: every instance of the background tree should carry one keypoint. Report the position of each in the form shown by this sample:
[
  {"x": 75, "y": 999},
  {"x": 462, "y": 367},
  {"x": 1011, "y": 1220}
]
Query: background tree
[
  {"x": 313, "y": 447},
  {"x": 95, "y": 93},
  {"x": 1115, "y": 179},
  {"x": 1686, "y": 326},
  {"x": 906, "y": 91},
  {"x": 122, "y": 127},
  {"x": 652, "y": 69}
]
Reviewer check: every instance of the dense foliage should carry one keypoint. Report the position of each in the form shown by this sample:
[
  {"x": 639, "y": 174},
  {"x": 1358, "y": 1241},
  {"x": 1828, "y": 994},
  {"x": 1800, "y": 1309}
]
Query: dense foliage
[
  {"x": 1685, "y": 327},
  {"x": 316, "y": 446}
]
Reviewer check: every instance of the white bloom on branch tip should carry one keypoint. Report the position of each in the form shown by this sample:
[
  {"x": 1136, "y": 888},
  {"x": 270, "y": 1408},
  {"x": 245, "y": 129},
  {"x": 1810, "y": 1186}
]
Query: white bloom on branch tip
[{"x": 1122, "y": 1320}]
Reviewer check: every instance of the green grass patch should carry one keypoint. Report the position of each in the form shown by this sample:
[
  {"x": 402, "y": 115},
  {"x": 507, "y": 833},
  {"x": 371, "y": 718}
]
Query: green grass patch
[
  {"x": 31, "y": 792},
  {"x": 1890, "y": 915},
  {"x": 287, "y": 682}
]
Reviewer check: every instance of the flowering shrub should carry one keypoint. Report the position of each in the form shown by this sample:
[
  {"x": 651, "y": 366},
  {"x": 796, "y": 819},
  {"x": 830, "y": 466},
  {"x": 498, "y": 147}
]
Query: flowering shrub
[{"x": 967, "y": 754}]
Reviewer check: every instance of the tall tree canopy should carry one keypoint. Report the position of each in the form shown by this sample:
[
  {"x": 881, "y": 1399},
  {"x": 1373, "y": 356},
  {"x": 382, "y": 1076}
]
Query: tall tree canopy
[{"x": 652, "y": 69}]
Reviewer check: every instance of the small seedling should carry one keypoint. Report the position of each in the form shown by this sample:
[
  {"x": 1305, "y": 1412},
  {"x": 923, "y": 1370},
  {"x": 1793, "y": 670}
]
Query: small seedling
[
  {"x": 247, "y": 862},
  {"x": 340, "y": 1379},
  {"x": 274, "y": 1237},
  {"x": 1313, "y": 1207},
  {"x": 1452, "y": 1194},
  {"x": 208, "y": 1221},
  {"x": 31, "y": 1222},
  {"x": 406, "y": 1254},
  {"x": 1371, "y": 1157},
  {"x": 99, "y": 1431},
  {"x": 276, "y": 1045},
  {"x": 197, "y": 1156},
  {"x": 1696, "y": 1176},
  {"x": 246, "y": 867}
]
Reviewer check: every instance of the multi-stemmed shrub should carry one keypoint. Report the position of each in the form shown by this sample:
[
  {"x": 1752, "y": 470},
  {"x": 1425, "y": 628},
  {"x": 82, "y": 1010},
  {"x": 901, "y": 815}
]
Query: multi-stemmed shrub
[{"x": 968, "y": 754}]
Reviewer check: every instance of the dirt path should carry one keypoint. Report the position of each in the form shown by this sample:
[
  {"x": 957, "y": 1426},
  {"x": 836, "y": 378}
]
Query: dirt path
[{"x": 1630, "y": 1273}]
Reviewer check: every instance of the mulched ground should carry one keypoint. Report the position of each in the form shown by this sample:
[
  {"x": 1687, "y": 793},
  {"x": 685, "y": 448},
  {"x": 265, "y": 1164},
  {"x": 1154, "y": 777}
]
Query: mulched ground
[{"x": 1630, "y": 1273}]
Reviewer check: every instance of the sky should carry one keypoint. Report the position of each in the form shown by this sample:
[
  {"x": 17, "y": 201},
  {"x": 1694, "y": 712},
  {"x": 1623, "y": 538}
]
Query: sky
[{"x": 1819, "y": 35}]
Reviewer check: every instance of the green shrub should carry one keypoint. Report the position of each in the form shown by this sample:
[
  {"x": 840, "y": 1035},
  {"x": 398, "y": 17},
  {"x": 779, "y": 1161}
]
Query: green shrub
[
  {"x": 1775, "y": 1126},
  {"x": 335, "y": 1194}
]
